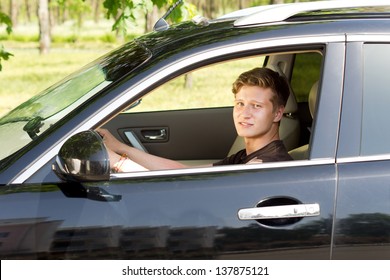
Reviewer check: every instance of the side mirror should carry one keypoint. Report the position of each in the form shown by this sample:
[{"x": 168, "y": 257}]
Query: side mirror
[{"x": 83, "y": 157}]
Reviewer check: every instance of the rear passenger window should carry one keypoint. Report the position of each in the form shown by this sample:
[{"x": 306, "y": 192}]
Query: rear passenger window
[
  {"x": 375, "y": 138},
  {"x": 306, "y": 72}
]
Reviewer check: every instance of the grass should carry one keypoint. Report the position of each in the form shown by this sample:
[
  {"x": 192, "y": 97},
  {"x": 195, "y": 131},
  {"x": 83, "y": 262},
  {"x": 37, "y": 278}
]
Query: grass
[
  {"x": 211, "y": 87},
  {"x": 27, "y": 73}
]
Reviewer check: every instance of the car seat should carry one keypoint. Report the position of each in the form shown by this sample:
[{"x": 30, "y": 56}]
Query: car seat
[{"x": 302, "y": 152}]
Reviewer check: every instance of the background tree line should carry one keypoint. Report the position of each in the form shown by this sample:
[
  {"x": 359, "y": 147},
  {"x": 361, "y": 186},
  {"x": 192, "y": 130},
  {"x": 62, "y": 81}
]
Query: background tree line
[{"x": 124, "y": 13}]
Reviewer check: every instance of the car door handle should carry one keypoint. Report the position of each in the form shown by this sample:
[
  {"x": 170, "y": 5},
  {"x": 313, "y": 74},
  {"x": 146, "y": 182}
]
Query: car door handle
[
  {"x": 158, "y": 134},
  {"x": 282, "y": 211}
]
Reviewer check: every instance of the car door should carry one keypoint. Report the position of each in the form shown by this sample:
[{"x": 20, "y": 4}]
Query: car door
[
  {"x": 363, "y": 203},
  {"x": 178, "y": 134},
  {"x": 279, "y": 210}
]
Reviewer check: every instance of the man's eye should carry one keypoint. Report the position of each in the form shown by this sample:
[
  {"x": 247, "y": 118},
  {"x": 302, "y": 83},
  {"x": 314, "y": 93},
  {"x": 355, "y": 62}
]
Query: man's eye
[{"x": 257, "y": 106}]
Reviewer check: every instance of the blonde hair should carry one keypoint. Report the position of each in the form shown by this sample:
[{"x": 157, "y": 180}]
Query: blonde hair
[{"x": 265, "y": 78}]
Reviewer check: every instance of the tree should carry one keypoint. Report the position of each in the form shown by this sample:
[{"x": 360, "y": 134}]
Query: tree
[
  {"x": 44, "y": 26},
  {"x": 124, "y": 11},
  {"x": 4, "y": 19},
  {"x": 28, "y": 5},
  {"x": 96, "y": 4},
  {"x": 14, "y": 11},
  {"x": 76, "y": 9},
  {"x": 151, "y": 18}
]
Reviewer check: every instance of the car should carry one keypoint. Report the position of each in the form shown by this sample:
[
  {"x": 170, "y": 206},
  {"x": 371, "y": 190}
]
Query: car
[{"x": 168, "y": 92}]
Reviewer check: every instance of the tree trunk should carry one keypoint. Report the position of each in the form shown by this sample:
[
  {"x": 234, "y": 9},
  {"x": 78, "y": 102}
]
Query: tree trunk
[
  {"x": 44, "y": 26},
  {"x": 241, "y": 4},
  {"x": 96, "y": 10},
  {"x": 14, "y": 12},
  {"x": 210, "y": 8},
  {"x": 151, "y": 19},
  {"x": 188, "y": 80},
  {"x": 28, "y": 10}
]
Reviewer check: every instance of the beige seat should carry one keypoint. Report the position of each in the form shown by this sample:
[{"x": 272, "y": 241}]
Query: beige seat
[
  {"x": 289, "y": 129},
  {"x": 302, "y": 152}
]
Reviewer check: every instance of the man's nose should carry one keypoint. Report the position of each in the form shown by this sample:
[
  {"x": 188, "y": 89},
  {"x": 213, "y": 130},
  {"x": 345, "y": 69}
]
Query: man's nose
[{"x": 246, "y": 111}]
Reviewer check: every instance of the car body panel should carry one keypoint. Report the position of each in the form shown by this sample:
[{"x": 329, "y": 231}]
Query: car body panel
[
  {"x": 172, "y": 208},
  {"x": 363, "y": 211},
  {"x": 363, "y": 205}
]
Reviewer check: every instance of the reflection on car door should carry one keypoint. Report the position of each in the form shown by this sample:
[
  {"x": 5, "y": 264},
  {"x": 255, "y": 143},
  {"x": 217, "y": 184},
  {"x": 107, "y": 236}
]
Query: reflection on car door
[
  {"x": 197, "y": 215},
  {"x": 192, "y": 215}
]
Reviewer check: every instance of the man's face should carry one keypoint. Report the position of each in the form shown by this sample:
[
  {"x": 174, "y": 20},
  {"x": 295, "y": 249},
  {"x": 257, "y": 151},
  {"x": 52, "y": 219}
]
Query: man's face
[{"x": 254, "y": 115}]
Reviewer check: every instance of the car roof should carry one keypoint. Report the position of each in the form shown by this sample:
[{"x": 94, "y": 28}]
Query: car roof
[
  {"x": 283, "y": 12},
  {"x": 322, "y": 14}
]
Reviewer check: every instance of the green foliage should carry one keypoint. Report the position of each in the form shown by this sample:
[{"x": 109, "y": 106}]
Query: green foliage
[
  {"x": 4, "y": 19},
  {"x": 183, "y": 12},
  {"x": 75, "y": 8},
  {"x": 161, "y": 3},
  {"x": 23, "y": 38},
  {"x": 4, "y": 55},
  {"x": 124, "y": 11}
]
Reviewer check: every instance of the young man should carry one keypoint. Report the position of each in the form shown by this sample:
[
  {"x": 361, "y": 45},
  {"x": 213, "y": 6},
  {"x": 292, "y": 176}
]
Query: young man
[{"x": 260, "y": 98}]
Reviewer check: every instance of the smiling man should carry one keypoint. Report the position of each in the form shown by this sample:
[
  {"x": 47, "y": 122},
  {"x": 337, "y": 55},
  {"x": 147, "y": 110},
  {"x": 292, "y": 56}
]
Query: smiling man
[{"x": 260, "y": 98}]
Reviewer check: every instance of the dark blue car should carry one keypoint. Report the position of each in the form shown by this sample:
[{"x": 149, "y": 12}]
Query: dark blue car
[{"x": 60, "y": 200}]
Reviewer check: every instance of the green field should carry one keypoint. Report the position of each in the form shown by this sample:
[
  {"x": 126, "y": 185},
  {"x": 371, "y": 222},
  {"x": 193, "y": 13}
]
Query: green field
[{"x": 28, "y": 73}]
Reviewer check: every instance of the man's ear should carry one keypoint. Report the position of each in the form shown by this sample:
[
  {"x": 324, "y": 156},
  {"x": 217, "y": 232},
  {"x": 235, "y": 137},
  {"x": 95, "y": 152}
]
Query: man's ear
[{"x": 279, "y": 113}]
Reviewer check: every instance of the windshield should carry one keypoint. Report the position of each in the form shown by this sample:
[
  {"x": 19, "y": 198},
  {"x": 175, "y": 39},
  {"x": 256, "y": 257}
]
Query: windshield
[{"x": 28, "y": 120}]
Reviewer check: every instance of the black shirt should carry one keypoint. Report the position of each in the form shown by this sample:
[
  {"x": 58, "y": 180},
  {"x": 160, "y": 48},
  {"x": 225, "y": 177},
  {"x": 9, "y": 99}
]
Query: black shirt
[{"x": 274, "y": 151}]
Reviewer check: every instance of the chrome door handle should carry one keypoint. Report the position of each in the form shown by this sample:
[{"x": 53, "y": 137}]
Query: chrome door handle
[
  {"x": 278, "y": 212},
  {"x": 160, "y": 135}
]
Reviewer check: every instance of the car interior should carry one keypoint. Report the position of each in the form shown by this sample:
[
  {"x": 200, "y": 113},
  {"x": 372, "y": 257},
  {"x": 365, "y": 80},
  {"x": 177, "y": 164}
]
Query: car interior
[{"x": 189, "y": 118}]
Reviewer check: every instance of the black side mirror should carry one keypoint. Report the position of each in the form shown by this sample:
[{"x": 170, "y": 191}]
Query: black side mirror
[{"x": 83, "y": 157}]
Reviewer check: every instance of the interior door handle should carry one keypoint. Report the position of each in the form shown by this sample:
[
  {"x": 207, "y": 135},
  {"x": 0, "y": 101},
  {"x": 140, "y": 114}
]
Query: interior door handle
[
  {"x": 159, "y": 134},
  {"x": 276, "y": 212}
]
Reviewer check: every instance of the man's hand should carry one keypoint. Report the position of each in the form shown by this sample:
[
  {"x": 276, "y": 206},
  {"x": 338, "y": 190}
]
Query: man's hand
[{"x": 110, "y": 141}]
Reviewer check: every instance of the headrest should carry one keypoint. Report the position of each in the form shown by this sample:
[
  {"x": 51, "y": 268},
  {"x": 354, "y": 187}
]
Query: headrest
[
  {"x": 291, "y": 105},
  {"x": 313, "y": 98}
]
